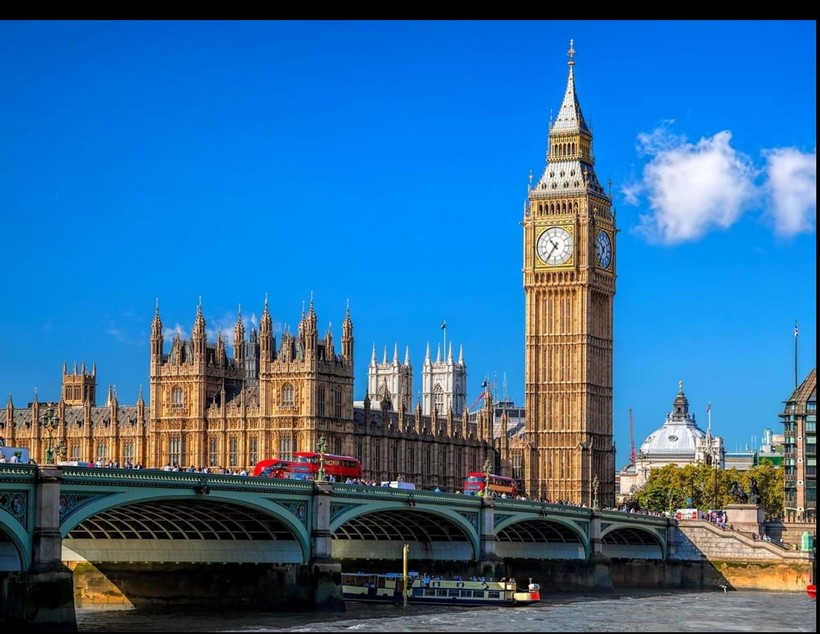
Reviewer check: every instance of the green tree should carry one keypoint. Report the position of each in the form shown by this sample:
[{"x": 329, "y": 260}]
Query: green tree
[
  {"x": 703, "y": 487},
  {"x": 770, "y": 483}
]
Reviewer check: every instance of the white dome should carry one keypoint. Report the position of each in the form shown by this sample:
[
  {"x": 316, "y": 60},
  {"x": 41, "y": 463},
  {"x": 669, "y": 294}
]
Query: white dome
[{"x": 679, "y": 436}]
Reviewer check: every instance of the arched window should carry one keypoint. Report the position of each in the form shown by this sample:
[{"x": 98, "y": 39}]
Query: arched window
[
  {"x": 176, "y": 453},
  {"x": 285, "y": 449},
  {"x": 213, "y": 452},
  {"x": 233, "y": 446},
  {"x": 438, "y": 398},
  {"x": 337, "y": 402},
  {"x": 287, "y": 396},
  {"x": 177, "y": 399},
  {"x": 320, "y": 401},
  {"x": 253, "y": 450}
]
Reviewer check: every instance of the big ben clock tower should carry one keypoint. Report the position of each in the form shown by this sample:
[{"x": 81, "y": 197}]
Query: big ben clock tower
[{"x": 569, "y": 286}]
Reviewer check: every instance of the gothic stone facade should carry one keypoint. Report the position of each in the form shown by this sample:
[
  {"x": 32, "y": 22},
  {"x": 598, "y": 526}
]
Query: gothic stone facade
[
  {"x": 270, "y": 399},
  {"x": 569, "y": 285}
]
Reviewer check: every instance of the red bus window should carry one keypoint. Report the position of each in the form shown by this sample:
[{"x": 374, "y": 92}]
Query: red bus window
[
  {"x": 272, "y": 468},
  {"x": 306, "y": 466}
]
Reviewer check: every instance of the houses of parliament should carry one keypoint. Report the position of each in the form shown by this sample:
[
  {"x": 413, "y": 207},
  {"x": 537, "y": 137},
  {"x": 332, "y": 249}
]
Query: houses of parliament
[{"x": 273, "y": 397}]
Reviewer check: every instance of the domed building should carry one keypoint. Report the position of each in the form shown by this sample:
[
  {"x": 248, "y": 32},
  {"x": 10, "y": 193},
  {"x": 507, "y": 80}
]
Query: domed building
[{"x": 679, "y": 441}]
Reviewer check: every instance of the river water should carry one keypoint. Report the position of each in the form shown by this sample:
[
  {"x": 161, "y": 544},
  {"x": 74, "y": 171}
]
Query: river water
[{"x": 679, "y": 611}]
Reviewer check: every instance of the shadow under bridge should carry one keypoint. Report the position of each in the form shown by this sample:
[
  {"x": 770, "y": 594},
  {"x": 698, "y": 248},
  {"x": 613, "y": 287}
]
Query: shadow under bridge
[
  {"x": 446, "y": 535},
  {"x": 183, "y": 530}
]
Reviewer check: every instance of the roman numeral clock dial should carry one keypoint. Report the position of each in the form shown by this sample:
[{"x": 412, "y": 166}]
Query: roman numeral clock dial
[
  {"x": 603, "y": 249},
  {"x": 554, "y": 246}
]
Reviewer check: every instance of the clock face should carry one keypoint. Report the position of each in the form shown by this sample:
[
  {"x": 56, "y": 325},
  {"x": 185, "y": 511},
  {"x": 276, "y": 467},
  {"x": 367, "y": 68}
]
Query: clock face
[
  {"x": 554, "y": 245},
  {"x": 603, "y": 249}
]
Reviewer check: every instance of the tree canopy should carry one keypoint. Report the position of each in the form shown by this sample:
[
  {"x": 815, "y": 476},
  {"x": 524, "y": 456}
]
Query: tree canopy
[{"x": 703, "y": 487}]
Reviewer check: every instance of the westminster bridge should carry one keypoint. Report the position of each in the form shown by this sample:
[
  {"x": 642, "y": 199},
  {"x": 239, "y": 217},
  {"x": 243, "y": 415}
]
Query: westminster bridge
[{"x": 142, "y": 530}]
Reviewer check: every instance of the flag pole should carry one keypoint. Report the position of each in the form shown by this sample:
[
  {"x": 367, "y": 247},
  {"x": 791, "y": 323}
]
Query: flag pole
[
  {"x": 444, "y": 332},
  {"x": 795, "y": 354}
]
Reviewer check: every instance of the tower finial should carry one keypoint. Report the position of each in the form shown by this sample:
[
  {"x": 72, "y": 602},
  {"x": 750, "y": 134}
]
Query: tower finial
[{"x": 571, "y": 52}]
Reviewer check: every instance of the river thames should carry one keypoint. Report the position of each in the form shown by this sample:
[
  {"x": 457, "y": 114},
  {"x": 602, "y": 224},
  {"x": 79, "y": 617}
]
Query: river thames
[{"x": 712, "y": 611}]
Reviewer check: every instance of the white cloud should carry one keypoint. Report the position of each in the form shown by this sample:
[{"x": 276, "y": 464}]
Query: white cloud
[
  {"x": 691, "y": 188},
  {"x": 792, "y": 188},
  {"x": 169, "y": 333}
]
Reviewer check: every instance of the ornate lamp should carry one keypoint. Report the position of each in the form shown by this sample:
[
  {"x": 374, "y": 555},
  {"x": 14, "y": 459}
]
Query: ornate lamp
[
  {"x": 50, "y": 423},
  {"x": 321, "y": 448},
  {"x": 595, "y": 484},
  {"x": 487, "y": 470}
]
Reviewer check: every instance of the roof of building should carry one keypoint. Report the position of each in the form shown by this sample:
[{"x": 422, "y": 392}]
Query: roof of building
[
  {"x": 679, "y": 434},
  {"x": 807, "y": 390}
]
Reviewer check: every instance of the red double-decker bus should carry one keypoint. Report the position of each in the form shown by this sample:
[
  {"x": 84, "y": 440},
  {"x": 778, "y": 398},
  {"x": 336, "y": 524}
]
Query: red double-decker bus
[
  {"x": 476, "y": 481},
  {"x": 305, "y": 466},
  {"x": 272, "y": 468}
]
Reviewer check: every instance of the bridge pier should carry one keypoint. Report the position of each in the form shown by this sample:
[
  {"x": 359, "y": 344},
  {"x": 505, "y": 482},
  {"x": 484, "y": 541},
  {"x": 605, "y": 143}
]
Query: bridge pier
[
  {"x": 325, "y": 575},
  {"x": 490, "y": 565},
  {"x": 486, "y": 527},
  {"x": 42, "y": 598},
  {"x": 601, "y": 573},
  {"x": 595, "y": 541}
]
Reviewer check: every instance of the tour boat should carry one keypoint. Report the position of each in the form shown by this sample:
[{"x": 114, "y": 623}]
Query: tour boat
[{"x": 389, "y": 588}]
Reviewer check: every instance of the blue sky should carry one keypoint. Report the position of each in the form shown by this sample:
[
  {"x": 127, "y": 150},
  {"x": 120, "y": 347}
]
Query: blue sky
[{"x": 386, "y": 164}]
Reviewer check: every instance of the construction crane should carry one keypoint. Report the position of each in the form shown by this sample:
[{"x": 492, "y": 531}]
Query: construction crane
[
  {"x": 633, "y": 456},
  {"x": 476, "y": 402},
  {"x": 485, "y": 385}
]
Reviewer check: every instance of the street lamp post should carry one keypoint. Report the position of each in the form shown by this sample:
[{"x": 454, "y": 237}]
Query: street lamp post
[
  {"x": 50, "y": 423},
  {"x": 595, "y": 483},
  {"x": 487, "y": 470},
  {"x": 321, "y": 448}
]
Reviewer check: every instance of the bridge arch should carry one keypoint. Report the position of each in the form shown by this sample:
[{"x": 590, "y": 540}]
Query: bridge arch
[
  {"x": 149, "y": 525},
  {"x": 14, "y": 544},
  {"x": 546, "y": 537},
  {"x": 372, "y": 531},
  {"x": 633, "y": 541}
]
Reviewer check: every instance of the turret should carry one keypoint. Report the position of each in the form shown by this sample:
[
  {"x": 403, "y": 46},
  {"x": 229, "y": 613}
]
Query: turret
[
  {"x": 330, "y": 353},
  {"x": 198, "y": 337},
  {"x": 156, "y": 337},
  {"x": 221, "y": 353},
  {"x": 79, "y": 386},
  {"x": 311, "y": 332},
  {"x": 251, "y": 355},
  {"x": 266, "y": 342},
  {"x": 347, "y": 337},
  {"x": 239, "y": 338},
  {"x": 111, "y": 398}
]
